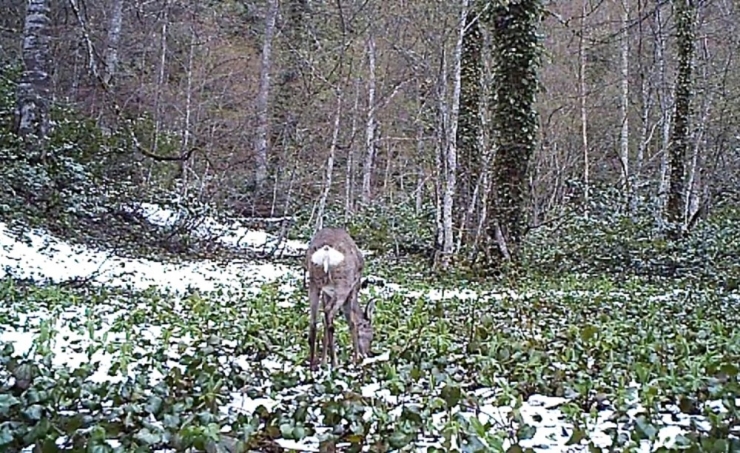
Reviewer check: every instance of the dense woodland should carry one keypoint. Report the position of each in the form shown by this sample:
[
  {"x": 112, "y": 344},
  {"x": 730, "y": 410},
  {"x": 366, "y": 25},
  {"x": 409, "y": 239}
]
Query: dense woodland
[
  {"x": 575, "y": 164},
  {"x": 482, "y": 121}
]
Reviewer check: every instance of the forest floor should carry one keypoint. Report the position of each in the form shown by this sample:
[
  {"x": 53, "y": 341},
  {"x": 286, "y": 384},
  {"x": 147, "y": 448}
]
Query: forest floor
[{"x": 122, "y": 352}]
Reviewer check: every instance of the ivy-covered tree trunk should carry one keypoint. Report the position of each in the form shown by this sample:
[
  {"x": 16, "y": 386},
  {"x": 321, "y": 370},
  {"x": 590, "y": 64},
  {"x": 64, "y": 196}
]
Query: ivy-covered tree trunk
[
  {"x": 32, "y": 113},
  {"x": 469, "y": 124},
  {"x": 516, "y": 50},
  {"x": 684, "y": 14}
]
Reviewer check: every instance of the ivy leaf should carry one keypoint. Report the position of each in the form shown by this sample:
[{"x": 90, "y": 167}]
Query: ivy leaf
[
  {"x": 34, "y": 412},
  {"x": 6, "y": 402},
  {"x": 589, "y": 332},
  {"x": 147, "y": 437},
  {"x": 644, "y": 429},
  {"x": 399, "y": 439},
  {"x": 526, "y": 432},
  {"x": 451, "y": 394},
  {"x": 577, "y": 436},
  {"x": 154, "y": 405}
]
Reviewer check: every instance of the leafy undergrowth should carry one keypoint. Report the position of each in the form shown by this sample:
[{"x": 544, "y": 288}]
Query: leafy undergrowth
[
  {"x": 85, "y": 185},
  {"x": 624, "y": 243},
  {"x": 100, "y": 369}
]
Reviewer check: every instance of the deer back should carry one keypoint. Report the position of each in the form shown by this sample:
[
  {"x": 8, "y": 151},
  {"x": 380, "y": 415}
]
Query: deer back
[{"x": 333, "y": 260}]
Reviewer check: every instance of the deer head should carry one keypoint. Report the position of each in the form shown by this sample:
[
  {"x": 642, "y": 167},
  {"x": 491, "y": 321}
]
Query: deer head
[{"x": 335, "y": 264}]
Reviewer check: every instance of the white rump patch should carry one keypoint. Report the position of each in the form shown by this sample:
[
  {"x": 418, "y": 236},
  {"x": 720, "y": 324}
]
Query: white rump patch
[{"x": 327, "y": 257}]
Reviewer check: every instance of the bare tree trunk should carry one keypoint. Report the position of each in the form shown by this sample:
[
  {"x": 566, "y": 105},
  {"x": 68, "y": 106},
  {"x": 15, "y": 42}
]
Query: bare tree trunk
[
  {"x": 112, "y": 42},
  {"x": 32, "y": 109},
  {"x": 694, "y": 183},
  {"x": 160, "y": 78},
  {"x": 665, "y": 104},
  {"x": 329, "y": 164},
  {"x": 421, "y": 178},
  {"x": 186, "y": 132},
  {"x": 367, "y": 170},
  {"x": 584, "y": 112},
  {"x": 486, "y": 146},
  {"x": 349, "y": 170},
  {"x": 440, "y": 161},
  {"x": 482, "y": 217},
  {"x": 646, "y": 98},
  {"x": 469, "y": 127},
  {"x": 387, "y": 190},
  {"x": 448, "y": 244},
  {"x": 263, "y": 96},
  {"x": 624, "y": 105}
]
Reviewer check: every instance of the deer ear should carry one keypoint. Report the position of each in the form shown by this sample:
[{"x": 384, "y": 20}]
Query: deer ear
[{"x": 370, "y": 309}]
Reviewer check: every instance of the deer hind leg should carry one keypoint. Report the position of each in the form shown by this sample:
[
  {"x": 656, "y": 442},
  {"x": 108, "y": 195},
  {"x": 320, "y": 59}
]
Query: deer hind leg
[
  {"x": 314, "y": 299},
  {"x": 337, "y": 303},
  {"x": 330, "y": 337},
  {"x": 351, "y": 308},
  {"x": 325, "y": 338}
]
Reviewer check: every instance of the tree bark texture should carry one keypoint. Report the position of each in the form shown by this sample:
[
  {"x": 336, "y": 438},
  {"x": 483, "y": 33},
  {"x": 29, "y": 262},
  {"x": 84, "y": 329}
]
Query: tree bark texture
[
  {"x": 469, "y": 124},
  {"x": 32, "y": 114},
  {"x": 263, "y": 97},
  {"x": 684, "y": 16},
  {"x": 517, "y": 51}
]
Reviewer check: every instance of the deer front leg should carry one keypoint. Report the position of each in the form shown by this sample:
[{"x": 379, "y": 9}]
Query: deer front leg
[
  {"x": 326, "y": 338},
  {"x": 313, "y": 297},
  {"x": 350, "y": 310},
  {"x": 329, "y": 334},
  {"x": 338, "y": 303}
]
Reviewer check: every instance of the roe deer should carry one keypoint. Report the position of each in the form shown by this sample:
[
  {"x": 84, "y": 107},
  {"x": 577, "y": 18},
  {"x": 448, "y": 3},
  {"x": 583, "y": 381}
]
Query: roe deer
[{"x": 334, "y": 264}]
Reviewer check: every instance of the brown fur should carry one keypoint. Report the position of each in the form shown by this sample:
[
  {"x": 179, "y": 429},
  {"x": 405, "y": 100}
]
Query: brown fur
[{"x": 338, "y": 290}]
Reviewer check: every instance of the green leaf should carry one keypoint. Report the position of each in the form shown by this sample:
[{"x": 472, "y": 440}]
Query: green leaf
[
  {"x": 147, "y": 437},
  {"x": 526, "y": 432},
  {"x": 6, "y": 402},
  {"x": 399, "y": 439},
  {"x": 49, "y": 446},
  {"x": 644, "y": 429},
  {"x": 451, "y": 394},
  {"x": 577, "y": 436},
  {"x": 589, "y": 332},
  {"x": 286, "y": 430},
  {"x": 6, "y": 436},
  {"x": 153, "y": 405},
  {"x": 730, "y": 369},
  {"x": 34, "y": 412}
]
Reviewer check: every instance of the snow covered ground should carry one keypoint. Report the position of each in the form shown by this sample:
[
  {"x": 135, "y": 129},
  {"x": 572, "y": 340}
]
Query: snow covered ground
[{"x": 43, "y": 257}]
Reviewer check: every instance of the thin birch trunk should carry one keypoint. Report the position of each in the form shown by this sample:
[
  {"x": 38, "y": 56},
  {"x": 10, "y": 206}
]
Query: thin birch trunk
[
  {"x": 112, "y": 41},
  {"x": 624, "y": 105},
  {"x": 32, "y": 108},
  {"x": 694, "y": 183},
  {"x": 448, "y": 245},
  {"x": 440, "y": 161},
  {"x": 263, "y": 96},
  {"x": 349, "y": 170},
  {"x": 584, "y": 112},
  {"x": 329, "y": 164},
  {"x": 421, "y": 177},
  {"x": 160, "y": 78},
  {"x": 367, "y": 170},
  {"x": 646, "y": 133},
  {"x": 186, "y": 132},
  {"x": 387, "y": 172},
  {"x": 665, "y": 107}
]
